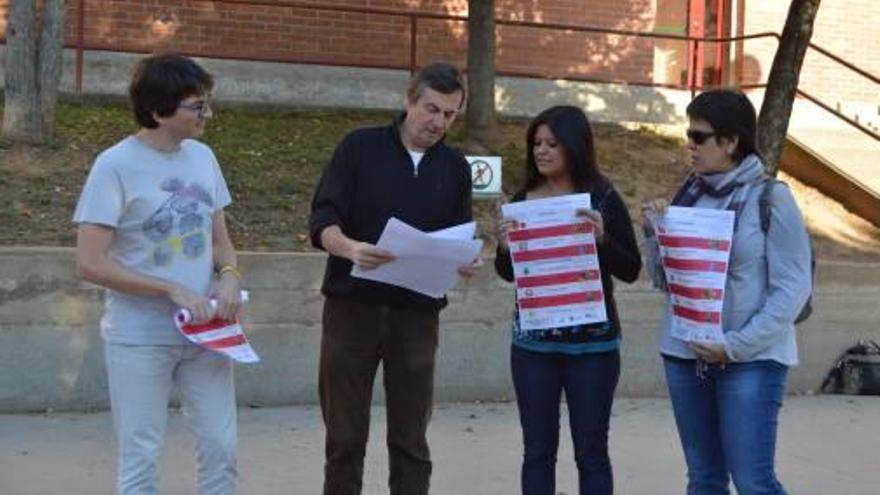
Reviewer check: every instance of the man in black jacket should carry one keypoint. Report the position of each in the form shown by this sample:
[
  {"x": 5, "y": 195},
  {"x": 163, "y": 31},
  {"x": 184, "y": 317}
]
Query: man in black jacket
[{"x": 403, "y": 170}]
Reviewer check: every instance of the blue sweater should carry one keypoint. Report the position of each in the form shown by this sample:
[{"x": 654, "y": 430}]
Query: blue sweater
[{"x": 768, "y": 281}]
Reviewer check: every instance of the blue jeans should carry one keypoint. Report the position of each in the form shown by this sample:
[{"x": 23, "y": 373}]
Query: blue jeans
[
  {"x": 589, "y": 381},
  {"x": 727, "y": 420}
]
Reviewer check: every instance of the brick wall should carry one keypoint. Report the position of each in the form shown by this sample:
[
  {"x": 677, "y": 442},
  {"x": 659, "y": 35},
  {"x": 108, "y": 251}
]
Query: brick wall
[
  {"x": 305, "y": 35},
  {"x": 846, "y": 28}
]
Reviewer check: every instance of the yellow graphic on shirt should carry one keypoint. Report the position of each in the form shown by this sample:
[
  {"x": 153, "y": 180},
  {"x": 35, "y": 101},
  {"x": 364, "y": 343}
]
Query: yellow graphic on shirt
[{"x": 181, "y": 214}]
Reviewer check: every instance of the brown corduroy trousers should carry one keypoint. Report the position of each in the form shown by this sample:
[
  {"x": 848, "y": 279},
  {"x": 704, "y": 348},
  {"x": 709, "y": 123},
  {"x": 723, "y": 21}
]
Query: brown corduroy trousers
[{"x": 356, "y": 337}]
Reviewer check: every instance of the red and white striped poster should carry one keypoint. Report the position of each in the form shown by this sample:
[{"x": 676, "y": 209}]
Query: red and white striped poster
[
  {"x": 555, "y": 263},
  {"x": 695, "y": 251},
  {"x": 223, "y": 336}
]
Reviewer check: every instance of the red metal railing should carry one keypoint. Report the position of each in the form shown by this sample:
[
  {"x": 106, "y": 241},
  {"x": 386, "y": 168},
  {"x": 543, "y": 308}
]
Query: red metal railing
[
  {"x": 80, "y": 42},
  {"x": 80, "y": 45}
]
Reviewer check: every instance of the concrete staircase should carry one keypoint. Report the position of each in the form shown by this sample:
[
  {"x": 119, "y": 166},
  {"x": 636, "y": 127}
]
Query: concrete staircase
[
  {"x": 849, "y": 179},
  {"x": 842, "y": 162}
]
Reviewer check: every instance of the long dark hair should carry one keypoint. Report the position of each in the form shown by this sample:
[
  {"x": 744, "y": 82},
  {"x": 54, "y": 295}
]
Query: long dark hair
[{"x": 573, "y": 132}]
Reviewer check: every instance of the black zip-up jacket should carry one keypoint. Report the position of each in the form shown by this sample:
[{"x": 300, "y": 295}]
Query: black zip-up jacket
[
  {"x": 371, "y": 179},
  {"x": 618, "y": 254}
]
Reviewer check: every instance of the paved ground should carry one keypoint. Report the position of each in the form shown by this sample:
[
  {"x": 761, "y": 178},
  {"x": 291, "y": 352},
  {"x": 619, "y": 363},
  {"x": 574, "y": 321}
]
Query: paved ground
[{"x": 828, "y": 446}]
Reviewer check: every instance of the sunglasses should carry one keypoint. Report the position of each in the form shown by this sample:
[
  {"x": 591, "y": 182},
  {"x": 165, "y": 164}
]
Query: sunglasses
[{"x": 698, "y": 137}]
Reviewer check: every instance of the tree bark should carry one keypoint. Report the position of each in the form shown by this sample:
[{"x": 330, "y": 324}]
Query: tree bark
[
  {"x": 33, "y": 69},
  {"x": 481, "y": 126},
  {"x": 783, "y": 80},
  {"x": 21, "y": 115},
  {"x": 51, "y": 50}
]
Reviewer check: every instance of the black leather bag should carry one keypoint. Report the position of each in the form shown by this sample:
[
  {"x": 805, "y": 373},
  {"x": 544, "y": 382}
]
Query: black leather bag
[{"x": 856, "y": 372}]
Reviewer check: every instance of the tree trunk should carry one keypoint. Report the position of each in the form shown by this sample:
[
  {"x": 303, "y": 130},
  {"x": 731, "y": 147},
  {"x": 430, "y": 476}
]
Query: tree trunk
[
  {"x": 783, "y": 80},
  {"x": 51, "y": 62},
  {"x": 33, "y": 70},
  {"x": 481, "y": 126},
  {"x": 21, "y": 115}
]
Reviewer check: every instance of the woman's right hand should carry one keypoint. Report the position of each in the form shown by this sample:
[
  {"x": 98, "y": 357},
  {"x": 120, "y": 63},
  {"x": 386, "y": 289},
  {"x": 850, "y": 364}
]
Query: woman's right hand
[{"x": 506, "y": 226}]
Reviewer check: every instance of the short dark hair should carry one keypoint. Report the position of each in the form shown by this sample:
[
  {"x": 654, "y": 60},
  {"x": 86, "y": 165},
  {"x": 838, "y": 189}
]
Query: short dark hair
[
  {"x": 439, "y": 76},
  {"x": 161, "y": 82},
  {"x": 572, "y": 130},
  {"x": 731, "y": 114}
]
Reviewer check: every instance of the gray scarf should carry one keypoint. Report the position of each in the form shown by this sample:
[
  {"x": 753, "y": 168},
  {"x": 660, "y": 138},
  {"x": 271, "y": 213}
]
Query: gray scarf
[{"x": 733, "y": 186}]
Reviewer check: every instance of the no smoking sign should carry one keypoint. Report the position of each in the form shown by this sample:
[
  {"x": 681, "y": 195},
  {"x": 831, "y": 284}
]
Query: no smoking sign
[{"x": 486, "y": 175}]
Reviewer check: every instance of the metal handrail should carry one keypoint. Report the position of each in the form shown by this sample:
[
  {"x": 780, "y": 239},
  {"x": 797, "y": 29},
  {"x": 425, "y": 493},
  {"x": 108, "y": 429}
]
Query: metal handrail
[
  {"x": 81, "y": 45},
  {"x": 846, "y": 64},
  {"x": 837, "y": 114}
]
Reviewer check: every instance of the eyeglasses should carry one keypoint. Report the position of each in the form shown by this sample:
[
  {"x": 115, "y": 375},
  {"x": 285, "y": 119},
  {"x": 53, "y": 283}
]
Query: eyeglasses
[
  {"x": 201, "y": 107},
  {"x": 698, "y": 137}
]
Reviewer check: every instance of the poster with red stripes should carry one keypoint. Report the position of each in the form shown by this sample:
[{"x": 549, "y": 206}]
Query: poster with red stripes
[
  {"x": 223, "y": 336},
  {"x": 555, "y": 263},
  {"x": 695, "y": 250}
]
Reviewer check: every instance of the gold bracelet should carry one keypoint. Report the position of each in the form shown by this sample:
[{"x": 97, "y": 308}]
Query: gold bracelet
[{"x": 230, "y": 269}]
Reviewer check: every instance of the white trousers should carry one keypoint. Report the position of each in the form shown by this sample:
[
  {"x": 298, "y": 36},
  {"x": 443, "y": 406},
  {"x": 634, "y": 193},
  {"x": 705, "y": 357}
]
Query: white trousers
[{"x": 141, "y": 380}]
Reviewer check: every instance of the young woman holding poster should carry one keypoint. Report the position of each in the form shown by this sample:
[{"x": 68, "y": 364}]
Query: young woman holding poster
[
  {"x": 582, "y": 360},
  {"x": 726, "y": 396}
]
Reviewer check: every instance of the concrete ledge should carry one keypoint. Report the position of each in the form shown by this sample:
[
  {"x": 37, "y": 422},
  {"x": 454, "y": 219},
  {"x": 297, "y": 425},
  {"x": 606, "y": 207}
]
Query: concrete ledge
[
  {"x": 51, "y": 354},
  {"x": 249, "y": 82}
]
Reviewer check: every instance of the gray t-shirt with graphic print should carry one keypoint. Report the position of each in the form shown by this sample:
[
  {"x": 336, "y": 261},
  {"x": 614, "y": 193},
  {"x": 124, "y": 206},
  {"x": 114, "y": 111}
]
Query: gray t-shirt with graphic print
[{"x": 161, "y": 208}]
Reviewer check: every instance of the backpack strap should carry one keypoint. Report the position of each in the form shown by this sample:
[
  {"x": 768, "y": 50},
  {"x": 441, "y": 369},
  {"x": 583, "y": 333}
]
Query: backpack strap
[
  {"x": 606, "y": 192},
  {"x": 871, "y": 346},
  {"x": 600, "y": 197},
  {"x": 832, "y": 382},
  {"x": 764, "y": 203}
]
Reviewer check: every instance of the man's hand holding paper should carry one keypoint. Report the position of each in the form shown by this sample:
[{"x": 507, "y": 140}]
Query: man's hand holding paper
[
  {"x": 367, "y": 256},
  {"x": 428, "y": 263}
]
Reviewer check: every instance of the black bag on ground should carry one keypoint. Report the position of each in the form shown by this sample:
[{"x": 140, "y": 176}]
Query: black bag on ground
[{"x": 856, "y": 372}]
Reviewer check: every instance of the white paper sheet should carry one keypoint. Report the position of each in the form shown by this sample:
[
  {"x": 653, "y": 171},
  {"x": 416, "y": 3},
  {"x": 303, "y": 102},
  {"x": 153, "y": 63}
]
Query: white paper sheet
[
  {"x": 426, "y": 263},
  {"x": 555, "y": 263},
  {"x": 695, "y": 250},
  {"x": 463, "y": 232}
]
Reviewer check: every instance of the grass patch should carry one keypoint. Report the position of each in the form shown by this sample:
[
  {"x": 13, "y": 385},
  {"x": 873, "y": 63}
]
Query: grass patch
[{"x": 272, "y": 158}]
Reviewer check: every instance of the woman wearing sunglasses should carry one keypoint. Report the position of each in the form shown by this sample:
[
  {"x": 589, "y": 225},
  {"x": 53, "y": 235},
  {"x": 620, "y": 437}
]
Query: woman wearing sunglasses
[
  {"x": 581, "y": 360},
  {"x": 726, "y": 397}
]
